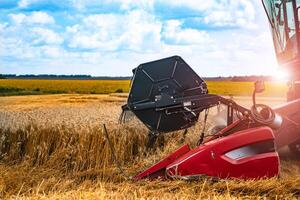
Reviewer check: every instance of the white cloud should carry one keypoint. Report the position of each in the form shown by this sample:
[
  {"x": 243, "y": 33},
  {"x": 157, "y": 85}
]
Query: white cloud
[
  {"x": 47, "y": 36},
  {"x": 176, "y": 35},
  {"x": 18, "y": 18},
  {"x": 136, "y": 30},
  {"x": 21, "y": 41},
  {"x": 232, "y": 13},
  {"x": 17, "y": 49},
  {"x": 224, "y": 13},
  {"x": 40, "y": 18},
  {"x": 95, "y": 31},
  {"x": 216, "y": 13},
  {"x": 112, "y": 44},
  {"x": 52, "y": 52},
  {"x": 2, "y": 26},
  {"x": 200, "y": 5},
  {"x": 26, "y": 3},
  {"x": 132, "y": 4},
  {"x": 33, "y": 18},
  {"x": 123, "y": 4}
]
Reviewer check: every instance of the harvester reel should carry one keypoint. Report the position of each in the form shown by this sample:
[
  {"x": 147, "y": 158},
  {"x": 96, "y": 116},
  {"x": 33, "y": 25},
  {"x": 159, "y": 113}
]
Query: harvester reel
[{"x": 154, "y": 88}]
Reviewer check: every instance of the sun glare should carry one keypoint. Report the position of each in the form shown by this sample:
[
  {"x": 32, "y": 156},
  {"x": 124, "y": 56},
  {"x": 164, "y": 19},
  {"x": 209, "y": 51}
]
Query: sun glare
[{"x": 281, "y": 75}]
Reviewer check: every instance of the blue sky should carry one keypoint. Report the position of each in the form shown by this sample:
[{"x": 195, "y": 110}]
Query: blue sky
[{"x": 110, "y": 37}]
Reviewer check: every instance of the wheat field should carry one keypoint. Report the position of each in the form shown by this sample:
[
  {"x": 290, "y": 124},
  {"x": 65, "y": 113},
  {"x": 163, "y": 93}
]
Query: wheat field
[
  {"x": 53, "y": 147},
  {"x": 36, "y": 86}
]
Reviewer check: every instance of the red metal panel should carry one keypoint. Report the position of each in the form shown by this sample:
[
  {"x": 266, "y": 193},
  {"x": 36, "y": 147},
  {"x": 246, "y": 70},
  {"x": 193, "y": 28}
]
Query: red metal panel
[
  {"x": 158, "y": 170},
  {"x": 290, "y": 129},
  {"x": 209, "y": 159}
]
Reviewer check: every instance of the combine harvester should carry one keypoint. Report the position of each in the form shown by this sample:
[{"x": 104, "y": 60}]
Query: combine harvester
[{"x": 167, "y": 95}]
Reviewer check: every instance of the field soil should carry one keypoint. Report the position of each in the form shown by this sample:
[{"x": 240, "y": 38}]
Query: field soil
[{"x": 53, "y": 147}]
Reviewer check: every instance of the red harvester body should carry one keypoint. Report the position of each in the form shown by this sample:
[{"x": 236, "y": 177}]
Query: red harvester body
[{"x": 167, "y": 95}]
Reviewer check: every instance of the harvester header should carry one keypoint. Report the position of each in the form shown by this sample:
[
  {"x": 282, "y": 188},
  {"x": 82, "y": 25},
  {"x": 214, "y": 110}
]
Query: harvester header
[{"x": 167, "y": 95}]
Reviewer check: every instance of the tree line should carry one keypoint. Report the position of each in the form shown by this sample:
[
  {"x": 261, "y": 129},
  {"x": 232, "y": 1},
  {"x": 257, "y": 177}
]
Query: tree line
[{"x": 89, "y": 77}]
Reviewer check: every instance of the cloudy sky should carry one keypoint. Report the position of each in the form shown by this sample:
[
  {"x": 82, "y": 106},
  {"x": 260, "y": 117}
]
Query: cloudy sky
[{"x": 110, "y": 37}]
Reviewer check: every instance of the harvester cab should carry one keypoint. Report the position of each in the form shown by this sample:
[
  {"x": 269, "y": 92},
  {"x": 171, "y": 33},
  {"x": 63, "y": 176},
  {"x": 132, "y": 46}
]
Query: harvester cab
[
  {"x": 167, "y": 95},
  {"x": 283, "y": 16}
]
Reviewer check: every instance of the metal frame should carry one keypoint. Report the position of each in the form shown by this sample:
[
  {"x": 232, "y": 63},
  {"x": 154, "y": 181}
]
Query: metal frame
[{"x": 296, "y": 21}]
